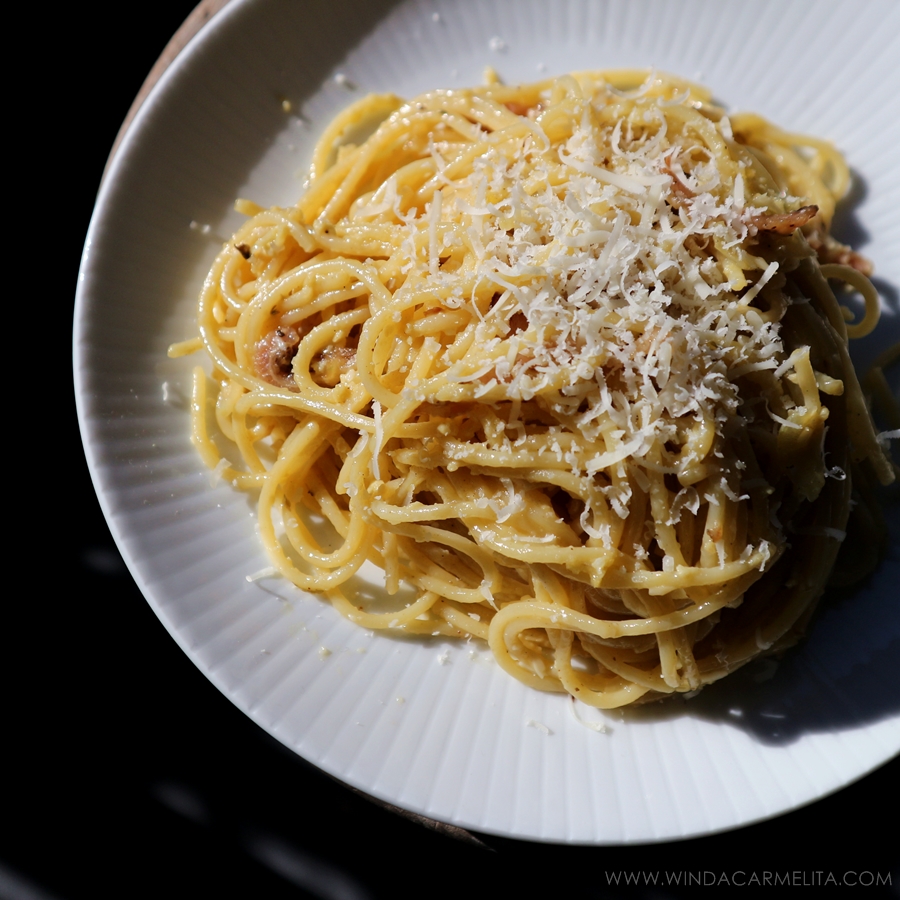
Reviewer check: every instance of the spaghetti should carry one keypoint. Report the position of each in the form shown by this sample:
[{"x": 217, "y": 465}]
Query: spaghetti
[{"x": 560, "y": 359}]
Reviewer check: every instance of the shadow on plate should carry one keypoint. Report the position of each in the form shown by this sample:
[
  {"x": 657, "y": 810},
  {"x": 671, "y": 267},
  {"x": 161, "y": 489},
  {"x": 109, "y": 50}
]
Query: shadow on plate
[{"x": 841, "y": 676}]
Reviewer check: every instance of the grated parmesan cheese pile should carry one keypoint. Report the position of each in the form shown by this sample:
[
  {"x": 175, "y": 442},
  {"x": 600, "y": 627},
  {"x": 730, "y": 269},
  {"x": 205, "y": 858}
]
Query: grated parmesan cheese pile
[{"x": 623, "y": 269}]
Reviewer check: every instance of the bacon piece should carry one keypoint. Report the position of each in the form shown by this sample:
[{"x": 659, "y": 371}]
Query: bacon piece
[
  {"x": 331, "y": 363},
  {"x": 784, "y": 223},
  {"x": 274, "y": 355},
  {"x": 678, "y": 186},
  {"x": 520, "y": 109},
  {"x": 831, "y": 251}
]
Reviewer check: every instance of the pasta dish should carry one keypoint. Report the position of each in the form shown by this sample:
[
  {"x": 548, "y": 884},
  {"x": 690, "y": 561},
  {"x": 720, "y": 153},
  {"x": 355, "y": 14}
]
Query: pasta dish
[{"x": 563, "y": 361}]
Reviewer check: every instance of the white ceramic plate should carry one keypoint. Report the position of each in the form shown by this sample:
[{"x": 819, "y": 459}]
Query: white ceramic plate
[{"x": 437, "y": 727}]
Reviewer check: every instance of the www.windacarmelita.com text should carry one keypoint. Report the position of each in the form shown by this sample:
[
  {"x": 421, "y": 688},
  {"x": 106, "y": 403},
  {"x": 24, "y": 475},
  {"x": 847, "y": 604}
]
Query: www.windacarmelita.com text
[{"x": 742, "y": 878}]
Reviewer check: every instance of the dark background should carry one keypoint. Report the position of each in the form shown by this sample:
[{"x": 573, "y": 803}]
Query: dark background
[{"x": 129, "y": 775}]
